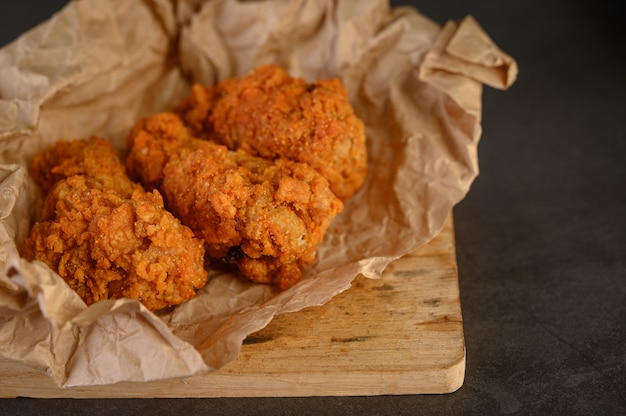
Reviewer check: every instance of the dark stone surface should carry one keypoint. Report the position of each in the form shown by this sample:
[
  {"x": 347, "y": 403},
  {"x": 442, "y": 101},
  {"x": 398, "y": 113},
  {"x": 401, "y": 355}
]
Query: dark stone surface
[{"x": 541, "y": 237}]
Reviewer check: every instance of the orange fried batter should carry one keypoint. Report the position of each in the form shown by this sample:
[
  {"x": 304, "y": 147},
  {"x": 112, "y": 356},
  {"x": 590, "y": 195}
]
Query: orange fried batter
[
  {"x": 107, "y": 237},
  {"x": 267, "y": 217},
  {"x": 95, "y": 157},
  {"x": 272, "y": 115}
]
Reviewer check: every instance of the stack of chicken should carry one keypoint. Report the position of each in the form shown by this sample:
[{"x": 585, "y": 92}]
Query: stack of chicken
[{"x": 253, "y": 170}]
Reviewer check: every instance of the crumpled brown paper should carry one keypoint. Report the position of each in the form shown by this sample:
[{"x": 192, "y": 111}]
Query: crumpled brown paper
[{"x": 96, "y": 66}]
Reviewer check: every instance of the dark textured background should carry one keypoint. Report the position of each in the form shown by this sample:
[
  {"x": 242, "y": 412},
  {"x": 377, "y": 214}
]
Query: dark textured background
[{"x": 541, "y": 237}]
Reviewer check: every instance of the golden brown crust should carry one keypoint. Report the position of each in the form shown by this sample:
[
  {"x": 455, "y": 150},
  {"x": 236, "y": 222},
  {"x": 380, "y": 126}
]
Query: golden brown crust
[
  {"x": 267, "y": 217},
  {"x": 272, "y": 115},
  {"x": 95, "y": 157},
  {"x": 108, "y": 238}
]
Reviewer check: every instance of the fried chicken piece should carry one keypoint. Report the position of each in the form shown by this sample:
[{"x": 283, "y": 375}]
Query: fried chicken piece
[
  {"x": 266, "y": 217},
  {"x": 95, "y": 157},
  {"x": 111, "y": 242},
  {"x": 272, "y": 115},
  {"x": 150, "y": 145}
]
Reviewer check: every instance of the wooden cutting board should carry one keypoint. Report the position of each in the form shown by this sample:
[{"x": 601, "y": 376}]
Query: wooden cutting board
[{"x": 402, "y": 334}]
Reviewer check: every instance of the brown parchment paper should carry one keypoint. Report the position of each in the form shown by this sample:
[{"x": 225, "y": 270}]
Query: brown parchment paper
[{"x": 97, "y": 66}]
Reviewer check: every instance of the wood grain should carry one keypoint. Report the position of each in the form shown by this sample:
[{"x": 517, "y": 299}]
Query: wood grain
[{"x": 402, "y": 334}]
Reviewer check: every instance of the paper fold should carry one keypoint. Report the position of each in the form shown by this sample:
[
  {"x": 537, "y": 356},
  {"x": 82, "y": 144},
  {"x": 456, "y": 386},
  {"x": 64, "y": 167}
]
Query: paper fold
[
  {"x": 463, "y": 53},
  {"x": 97, "y": 66}
]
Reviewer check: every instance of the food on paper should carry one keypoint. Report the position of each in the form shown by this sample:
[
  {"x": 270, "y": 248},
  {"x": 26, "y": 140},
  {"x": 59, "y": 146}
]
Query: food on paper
[
  {"x": 106, "y": 236},
  {"x": 270, "y": 114},
  {"x": 297, "y": 150},
  {"x": 265, "y": 216}
]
